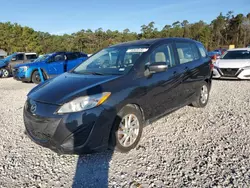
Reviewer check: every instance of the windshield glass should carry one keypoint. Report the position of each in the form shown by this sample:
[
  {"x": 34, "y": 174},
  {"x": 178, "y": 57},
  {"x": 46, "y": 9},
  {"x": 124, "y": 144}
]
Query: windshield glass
[
  {"x": 239, "y": 54},
  {"x": 42, "y": 58},
  {"x": 114, "y": 60},
  {"x": 8, "y": 58}
]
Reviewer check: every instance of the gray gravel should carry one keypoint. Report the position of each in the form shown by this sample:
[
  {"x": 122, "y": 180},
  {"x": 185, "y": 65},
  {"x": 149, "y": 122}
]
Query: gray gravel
[{"x": 190, "y": 148}]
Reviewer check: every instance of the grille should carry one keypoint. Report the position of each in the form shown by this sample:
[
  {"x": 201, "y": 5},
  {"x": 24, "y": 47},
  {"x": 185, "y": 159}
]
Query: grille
[
  {"x": 229, "y": 72},
  {"x": 15, "y": 71}
]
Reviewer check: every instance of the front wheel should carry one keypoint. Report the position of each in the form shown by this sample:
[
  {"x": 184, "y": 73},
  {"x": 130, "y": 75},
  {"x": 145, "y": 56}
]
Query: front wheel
[
  {"x": 5, "y": 72},
  {"x": 128, "y": 126},
  {"x": 203, "y": 96},
  {"x": 36, "y": 77}
]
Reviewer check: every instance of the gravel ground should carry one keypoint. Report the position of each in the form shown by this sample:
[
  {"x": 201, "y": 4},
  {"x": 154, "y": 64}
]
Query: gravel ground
[{"x": 189, "y": 148}]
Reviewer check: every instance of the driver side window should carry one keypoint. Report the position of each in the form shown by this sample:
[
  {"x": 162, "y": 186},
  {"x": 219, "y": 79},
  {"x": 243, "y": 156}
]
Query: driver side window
[
  {"x": 163, "y": 53},
  {"x": 57, "y": 58}
]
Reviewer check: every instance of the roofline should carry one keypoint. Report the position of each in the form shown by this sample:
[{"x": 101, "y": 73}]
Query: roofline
[
  {"x": 235, "y": 49},
  {"x": 152, "y": 41}
]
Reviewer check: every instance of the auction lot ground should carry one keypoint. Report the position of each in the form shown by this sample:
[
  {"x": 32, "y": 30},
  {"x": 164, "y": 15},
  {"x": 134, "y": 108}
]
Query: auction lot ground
[{"x": 191, "y": 147}]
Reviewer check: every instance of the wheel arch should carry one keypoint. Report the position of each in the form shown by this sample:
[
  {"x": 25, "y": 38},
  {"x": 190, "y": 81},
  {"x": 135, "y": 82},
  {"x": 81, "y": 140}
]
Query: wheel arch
[
  {"x": 111, "y": 138},
  {"x": 209, "y": 82},
  {"x": 138, "y": 107}
]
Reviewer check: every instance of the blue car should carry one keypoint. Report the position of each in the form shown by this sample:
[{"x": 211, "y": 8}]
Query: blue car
[{"x": 48, "y": 66}]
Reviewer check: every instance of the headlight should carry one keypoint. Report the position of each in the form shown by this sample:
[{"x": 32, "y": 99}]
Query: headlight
[
  {"x": 84, "y": 103},
  {"x": 24, "y": 68}
]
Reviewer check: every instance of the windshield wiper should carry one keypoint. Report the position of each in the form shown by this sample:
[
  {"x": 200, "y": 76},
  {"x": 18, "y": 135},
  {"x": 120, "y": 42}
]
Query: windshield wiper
[{"x": 93, "y": 73}]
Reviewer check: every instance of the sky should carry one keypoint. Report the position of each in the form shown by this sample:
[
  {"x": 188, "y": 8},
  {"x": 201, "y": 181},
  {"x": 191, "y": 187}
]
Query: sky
[{"x": 64, "y": 16}]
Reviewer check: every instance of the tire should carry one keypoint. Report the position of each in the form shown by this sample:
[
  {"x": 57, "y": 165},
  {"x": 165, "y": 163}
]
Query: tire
[
  {"x": 203, "y": 96},
  {"x": 5, "y": 72},
  {"x": 120, "y": 139},
  {"x": 36, "y": 77}
]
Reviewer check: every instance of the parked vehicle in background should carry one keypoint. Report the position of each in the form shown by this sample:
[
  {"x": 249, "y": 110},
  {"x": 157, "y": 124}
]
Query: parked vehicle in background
[
  {"x": 3, "y": 54},
  {"x": 105, "y": 101},
  {"x": 213, "y": 55},
  {"x": 8, "y": 63},
  {"x": 235, "y": 63},
  {"x": 223, "y": 51},
  {"x": 216, "y": 54},
  {"x": 50, "y": 66}
]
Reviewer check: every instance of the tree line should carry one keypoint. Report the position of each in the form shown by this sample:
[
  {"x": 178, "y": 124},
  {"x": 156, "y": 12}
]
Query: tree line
[{"x": 221, "y": 32}]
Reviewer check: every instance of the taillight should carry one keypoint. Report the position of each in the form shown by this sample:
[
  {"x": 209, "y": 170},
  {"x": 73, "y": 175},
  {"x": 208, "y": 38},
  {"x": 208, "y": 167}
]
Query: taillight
[
  {"x": 214, "y": 57},
  {"x": 211, "y": 65}
]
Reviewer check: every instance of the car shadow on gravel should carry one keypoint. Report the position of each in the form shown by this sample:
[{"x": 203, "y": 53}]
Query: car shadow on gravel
[{"x": 92, "y": 170}]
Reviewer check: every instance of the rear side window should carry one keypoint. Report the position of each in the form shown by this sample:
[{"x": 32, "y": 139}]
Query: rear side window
[
  {"x": 163, "y": 53},
  {"x": 31, "y": 56},
  {"x": 82, "y": 54},
  {"x": 20, "y": 57},
  {"x": 71, "y": 56},
  {"x": 195, "y": 51},
  {"x": 185, "y": 52},
  {"x": 202, "y": 50}
]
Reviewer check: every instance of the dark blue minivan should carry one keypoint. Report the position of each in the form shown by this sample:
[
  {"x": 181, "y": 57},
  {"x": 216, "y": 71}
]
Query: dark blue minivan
[{"x": 106, "y": 100}]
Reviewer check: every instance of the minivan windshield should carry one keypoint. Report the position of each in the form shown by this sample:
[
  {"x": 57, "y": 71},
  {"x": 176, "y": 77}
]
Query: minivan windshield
[
  {"x": 111, "y": 61},
  {"x": 237, "y": 54}
]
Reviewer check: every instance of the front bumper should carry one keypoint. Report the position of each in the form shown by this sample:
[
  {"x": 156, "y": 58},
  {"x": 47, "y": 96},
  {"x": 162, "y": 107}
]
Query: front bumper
[
  {"x": 228, "y": 73},
  {"x": 75, "y": 133},
  {"x": 20, "y": 76}
]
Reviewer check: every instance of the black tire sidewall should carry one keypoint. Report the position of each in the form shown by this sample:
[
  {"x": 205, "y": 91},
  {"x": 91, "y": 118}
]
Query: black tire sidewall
[{"x": 125, "y": 111}]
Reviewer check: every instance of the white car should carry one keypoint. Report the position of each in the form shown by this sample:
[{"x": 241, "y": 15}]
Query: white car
[{"x": 235, "y": 64}]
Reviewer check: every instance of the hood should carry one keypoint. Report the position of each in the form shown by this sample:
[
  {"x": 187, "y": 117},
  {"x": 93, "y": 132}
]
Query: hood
[
  {"x": 234, "y": 63},
  {"x": 68, "y": 86},
  {"x": 3, "y": 62},
  {"x": 29, "y": 64}
]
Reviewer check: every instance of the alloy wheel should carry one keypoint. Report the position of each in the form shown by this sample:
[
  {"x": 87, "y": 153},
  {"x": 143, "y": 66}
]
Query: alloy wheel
[
  {"x": 128, "y": 130},
  {"x": 38, "y": 79},
  {"x": 5, "y": 73},
  {"x": 204, "y": 94}
]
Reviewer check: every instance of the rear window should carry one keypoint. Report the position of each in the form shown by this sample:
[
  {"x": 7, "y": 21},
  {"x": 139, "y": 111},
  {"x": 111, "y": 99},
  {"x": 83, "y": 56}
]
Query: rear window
[
  {"x": 239, "y": 54},
  {"x": 31, "y": 56},
  {"x": 185, "y": 52}
]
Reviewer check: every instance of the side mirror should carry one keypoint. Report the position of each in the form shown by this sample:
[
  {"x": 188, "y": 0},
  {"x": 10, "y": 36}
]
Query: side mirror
[
  {"x": 13, "y": 59},
  {"x": 157, "y": 67}
]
